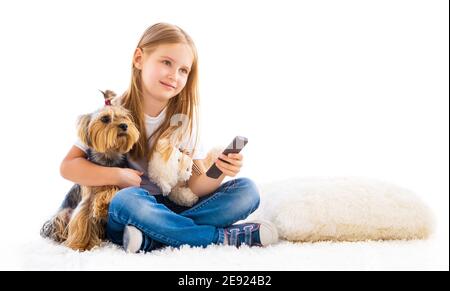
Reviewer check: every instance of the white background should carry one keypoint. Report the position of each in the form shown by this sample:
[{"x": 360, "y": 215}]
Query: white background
[{"x": 320, "y": 88}]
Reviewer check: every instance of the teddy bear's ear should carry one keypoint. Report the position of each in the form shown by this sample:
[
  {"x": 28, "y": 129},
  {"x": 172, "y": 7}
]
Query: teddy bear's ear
[{"x": 83, "y": 129}]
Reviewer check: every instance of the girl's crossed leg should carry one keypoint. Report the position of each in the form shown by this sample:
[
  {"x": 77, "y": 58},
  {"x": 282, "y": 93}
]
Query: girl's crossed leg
[{"x": 200, "y": 225}]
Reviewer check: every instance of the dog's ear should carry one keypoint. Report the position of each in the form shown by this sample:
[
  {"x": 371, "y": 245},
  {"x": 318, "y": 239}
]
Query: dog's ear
[
  {"x": 83, "y": 127},
  {"x": 175, "y": 139},
  {"x": 164, "y": 148},
  {"x": 162, "y": 144}
]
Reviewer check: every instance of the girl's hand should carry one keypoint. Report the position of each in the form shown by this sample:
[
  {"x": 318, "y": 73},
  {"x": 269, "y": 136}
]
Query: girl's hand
[
  {"x": 128, "y": 178},
  {"x": 234, "y": 166}
]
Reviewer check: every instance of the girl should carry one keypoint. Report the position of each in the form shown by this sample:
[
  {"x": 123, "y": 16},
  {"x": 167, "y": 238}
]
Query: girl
[{"x": 164, "y": 84}]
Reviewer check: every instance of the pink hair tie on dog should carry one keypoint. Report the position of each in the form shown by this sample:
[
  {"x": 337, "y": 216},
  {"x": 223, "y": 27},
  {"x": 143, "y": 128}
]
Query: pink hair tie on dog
[{"x": 108, "y": 95}]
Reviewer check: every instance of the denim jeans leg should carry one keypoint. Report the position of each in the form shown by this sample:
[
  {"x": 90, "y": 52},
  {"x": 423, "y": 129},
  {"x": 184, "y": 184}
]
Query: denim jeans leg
[
  {"x": 232, "y": 201},
  {"x": 160, "y": 226}
]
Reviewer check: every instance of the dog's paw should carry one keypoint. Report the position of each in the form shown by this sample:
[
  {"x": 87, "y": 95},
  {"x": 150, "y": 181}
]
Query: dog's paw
[
  {"x": 212, "y": 156},
  {"x": 183, "y": 196},
  {"x": 165, "y": 188}
]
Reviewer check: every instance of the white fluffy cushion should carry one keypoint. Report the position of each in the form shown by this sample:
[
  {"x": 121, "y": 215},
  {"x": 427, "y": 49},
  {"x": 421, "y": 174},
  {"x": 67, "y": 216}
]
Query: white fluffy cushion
[{"x": 343, "y": 209}]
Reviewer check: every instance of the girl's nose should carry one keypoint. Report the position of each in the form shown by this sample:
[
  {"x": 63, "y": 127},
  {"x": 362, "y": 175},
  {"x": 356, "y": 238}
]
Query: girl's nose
[{"x": 171, "y": 77}]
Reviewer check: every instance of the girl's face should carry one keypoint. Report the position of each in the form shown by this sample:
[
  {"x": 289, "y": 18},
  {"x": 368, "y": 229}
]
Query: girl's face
[{"x": 164, "y": 71}]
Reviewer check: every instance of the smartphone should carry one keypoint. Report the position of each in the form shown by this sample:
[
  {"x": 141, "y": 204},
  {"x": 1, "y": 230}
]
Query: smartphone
[{"x": 234, "y": 147}]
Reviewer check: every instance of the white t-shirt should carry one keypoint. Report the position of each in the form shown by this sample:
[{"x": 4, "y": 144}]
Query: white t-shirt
[{"x": 151, "y": 124}]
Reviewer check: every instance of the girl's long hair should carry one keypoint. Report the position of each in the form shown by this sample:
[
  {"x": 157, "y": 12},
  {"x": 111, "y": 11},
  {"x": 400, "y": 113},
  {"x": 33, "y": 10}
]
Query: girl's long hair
[{"x": 185, "y": 103}]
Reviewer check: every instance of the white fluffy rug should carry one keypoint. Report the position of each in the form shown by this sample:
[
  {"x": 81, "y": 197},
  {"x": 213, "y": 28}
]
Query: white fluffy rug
[
  {"x": 37, "y": 254},
  {"x": 33, "y": 253}
]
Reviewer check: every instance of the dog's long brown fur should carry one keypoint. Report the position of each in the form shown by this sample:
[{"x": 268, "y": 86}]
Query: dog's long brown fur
[
  {"x": 80, "y": 222},
  {"x": 61, "y": 221},
  {"x": 86, "y": 229}
]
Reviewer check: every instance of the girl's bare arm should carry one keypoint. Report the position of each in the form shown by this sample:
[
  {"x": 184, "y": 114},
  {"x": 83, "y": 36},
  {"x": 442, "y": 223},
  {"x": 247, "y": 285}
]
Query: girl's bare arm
[
  {"x": 199, "y": 183},
  {"x": 76, "y": 168}
]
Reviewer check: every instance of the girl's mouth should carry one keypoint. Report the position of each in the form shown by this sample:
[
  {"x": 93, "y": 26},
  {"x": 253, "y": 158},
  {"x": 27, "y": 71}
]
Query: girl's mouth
[{"x": 167, "y": 85}]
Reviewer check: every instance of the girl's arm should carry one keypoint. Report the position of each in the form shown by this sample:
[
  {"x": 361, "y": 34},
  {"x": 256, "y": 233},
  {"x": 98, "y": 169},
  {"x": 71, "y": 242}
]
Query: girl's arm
[
  {"x": 200, "y": 184},
  {"x": 76, "y": 168}
]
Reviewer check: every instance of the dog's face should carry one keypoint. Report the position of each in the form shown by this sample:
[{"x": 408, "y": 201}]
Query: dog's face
[
  {"x": 184, "y": 166},
  {"x": 109, "y": 129}
]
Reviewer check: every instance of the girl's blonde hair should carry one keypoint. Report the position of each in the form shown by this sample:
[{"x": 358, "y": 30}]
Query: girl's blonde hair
[{"x": 185, "y": 103}]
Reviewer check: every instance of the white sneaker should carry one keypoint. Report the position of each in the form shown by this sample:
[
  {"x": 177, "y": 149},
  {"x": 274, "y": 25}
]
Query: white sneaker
[{"x": 132, "y": 239}]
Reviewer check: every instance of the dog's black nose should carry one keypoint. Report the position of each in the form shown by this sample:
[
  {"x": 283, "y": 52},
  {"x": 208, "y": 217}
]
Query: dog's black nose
[{"x": 123, "y": 126}]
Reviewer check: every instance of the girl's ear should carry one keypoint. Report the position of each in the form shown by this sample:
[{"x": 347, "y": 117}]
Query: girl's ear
[
  {"x": 83, "y": 129},
  {"x": 138, "y": 58}
]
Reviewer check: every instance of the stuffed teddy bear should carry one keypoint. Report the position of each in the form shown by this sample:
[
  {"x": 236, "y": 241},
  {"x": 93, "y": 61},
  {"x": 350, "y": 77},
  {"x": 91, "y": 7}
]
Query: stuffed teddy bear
[{"x": 171, "y": 168}]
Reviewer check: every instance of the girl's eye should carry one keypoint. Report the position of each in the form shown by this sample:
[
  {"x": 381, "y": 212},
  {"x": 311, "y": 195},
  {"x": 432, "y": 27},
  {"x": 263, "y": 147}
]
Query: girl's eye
[
  {"x": 184, "y": 71},
  {"x": 166, "y": 62},
  {"x": 105, "y": 119}
]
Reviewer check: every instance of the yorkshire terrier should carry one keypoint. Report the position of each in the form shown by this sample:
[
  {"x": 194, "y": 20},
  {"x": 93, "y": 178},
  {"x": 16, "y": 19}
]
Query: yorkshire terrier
[{"x": 80, "y": 221}]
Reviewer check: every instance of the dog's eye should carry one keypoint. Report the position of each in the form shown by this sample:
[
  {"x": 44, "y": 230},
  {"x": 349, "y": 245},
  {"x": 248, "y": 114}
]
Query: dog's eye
[{"x": 105, "y": 119}]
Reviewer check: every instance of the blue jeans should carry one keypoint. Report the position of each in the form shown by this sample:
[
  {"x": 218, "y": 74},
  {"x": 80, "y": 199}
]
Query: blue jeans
[{"x": 165, "y": 224}]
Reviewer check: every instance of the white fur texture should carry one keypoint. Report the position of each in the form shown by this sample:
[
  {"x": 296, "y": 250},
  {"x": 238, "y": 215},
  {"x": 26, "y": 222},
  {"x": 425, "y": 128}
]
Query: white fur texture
[
  {"x": 165, "y": 173},
  {"x": 183, "y": 196},
  {"x": 212, "y": 156},
  {"x": 344, "y": 209},
  {"x": 172, "y": 174}
]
